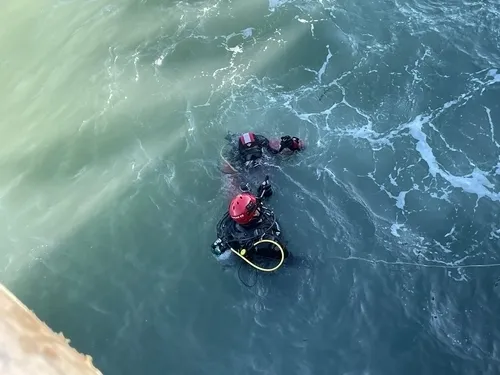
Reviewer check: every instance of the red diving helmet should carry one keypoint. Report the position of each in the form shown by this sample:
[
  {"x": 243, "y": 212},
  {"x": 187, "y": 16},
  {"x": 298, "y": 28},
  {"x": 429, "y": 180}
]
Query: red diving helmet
[{"x": 243, "y": 207}]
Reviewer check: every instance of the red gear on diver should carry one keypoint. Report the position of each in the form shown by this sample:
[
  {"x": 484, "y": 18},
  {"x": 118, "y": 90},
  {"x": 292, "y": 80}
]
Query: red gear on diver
[{"x": 243, "y": 207}]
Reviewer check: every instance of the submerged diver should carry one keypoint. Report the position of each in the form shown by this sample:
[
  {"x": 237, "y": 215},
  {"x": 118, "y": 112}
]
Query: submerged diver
[
  {"x": 249, "y": 151},
  {"x": 250, "y": 230}
]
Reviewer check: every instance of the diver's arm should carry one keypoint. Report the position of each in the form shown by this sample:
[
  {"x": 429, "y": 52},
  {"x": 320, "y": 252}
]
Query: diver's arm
[
  {"x": 291, "y": 143},
  {"x": 287, "y": 142},
  {"x": 264, "y": 143},
  {"x": 265, "y": 190}
]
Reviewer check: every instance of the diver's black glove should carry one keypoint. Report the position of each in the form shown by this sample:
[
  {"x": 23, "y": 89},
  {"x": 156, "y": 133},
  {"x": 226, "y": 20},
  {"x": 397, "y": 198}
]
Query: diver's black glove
[
  {"x": 292, "y": 143},
  {"x": 265, "y": 190}
]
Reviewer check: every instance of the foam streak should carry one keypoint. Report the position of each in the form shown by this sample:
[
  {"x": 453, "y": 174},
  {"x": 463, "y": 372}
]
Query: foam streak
[{"x": 474, "y": 183}]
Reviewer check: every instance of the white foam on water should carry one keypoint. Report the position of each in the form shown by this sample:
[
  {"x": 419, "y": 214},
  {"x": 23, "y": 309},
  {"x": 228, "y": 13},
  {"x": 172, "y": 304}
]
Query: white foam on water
[
  {"x": 438, "y": 244},
  {"x": 473, "y": 183},
  {"x": 310, "y": 22},
  {"x": 496, "y": 77},
  {"x": 325, "y": 64},
  {"x": 492, "y": 127},
  {"x": 247, "y": 33},
  {"x": 159, "y": 60},
  {"x": 273, "y": 4},
  {"x": 393, "y": 180},
  {"x": 452, "y": 230},
  {"x": 400, "y": 201},
  {"x": 497, "y": 168},
  {"x": 191, "y": 123},
  {"x": 322, "y": 69},
  {"x": 395, "y": 227}
]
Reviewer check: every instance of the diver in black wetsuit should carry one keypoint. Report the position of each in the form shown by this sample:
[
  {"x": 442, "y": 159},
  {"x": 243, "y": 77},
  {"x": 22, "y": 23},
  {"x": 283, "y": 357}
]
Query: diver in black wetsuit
[
  {"x": 250, "y": 147},
  {"x": 246, "y": 222}
]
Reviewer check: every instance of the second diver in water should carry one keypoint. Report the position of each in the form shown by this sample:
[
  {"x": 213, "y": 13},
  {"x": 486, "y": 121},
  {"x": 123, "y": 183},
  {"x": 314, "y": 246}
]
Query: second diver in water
[{"x": 249, "y": 150}]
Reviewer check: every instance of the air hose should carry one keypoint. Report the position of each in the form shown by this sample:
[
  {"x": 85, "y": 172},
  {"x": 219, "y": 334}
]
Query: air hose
[
  {"x": 256, "y": 266},
  {"x": 227, "y": 162}
]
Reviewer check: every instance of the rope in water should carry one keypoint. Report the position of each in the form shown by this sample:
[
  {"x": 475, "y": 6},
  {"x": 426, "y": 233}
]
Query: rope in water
[
  {"x": 423, "y": 265},
  {"x": 226, "y": 161}
]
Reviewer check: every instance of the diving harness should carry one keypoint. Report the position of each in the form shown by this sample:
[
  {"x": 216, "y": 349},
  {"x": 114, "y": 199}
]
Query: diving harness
[{"x": 250, "y": 241}]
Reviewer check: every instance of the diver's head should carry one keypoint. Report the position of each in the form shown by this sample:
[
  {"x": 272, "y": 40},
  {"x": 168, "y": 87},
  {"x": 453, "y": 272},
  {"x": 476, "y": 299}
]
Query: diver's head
[{"x": 243, "y": 208}]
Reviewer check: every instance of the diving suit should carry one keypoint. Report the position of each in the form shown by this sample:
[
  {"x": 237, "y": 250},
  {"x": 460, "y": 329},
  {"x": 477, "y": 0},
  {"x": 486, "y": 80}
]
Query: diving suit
[
  {"x": 248, "y": 152},
  {"x": 243, "y": 160},
  {"x": 246, "y": 222}
]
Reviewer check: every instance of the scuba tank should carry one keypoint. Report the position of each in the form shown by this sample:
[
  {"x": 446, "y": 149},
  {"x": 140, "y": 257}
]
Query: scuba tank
[{"x": 218, "y": 247}]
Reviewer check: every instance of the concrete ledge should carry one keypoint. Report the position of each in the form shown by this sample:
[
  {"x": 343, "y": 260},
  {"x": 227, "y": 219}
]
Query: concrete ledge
[{"x": 29, "y": 346}]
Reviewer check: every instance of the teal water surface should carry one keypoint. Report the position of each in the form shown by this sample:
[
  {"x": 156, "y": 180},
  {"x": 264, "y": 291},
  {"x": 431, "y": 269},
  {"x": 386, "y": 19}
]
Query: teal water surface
[{"x": 110, "y": 188}]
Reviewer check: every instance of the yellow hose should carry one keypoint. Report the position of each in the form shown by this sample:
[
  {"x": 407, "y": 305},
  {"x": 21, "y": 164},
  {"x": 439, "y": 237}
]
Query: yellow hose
[{"x": 260, "y": 268}]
